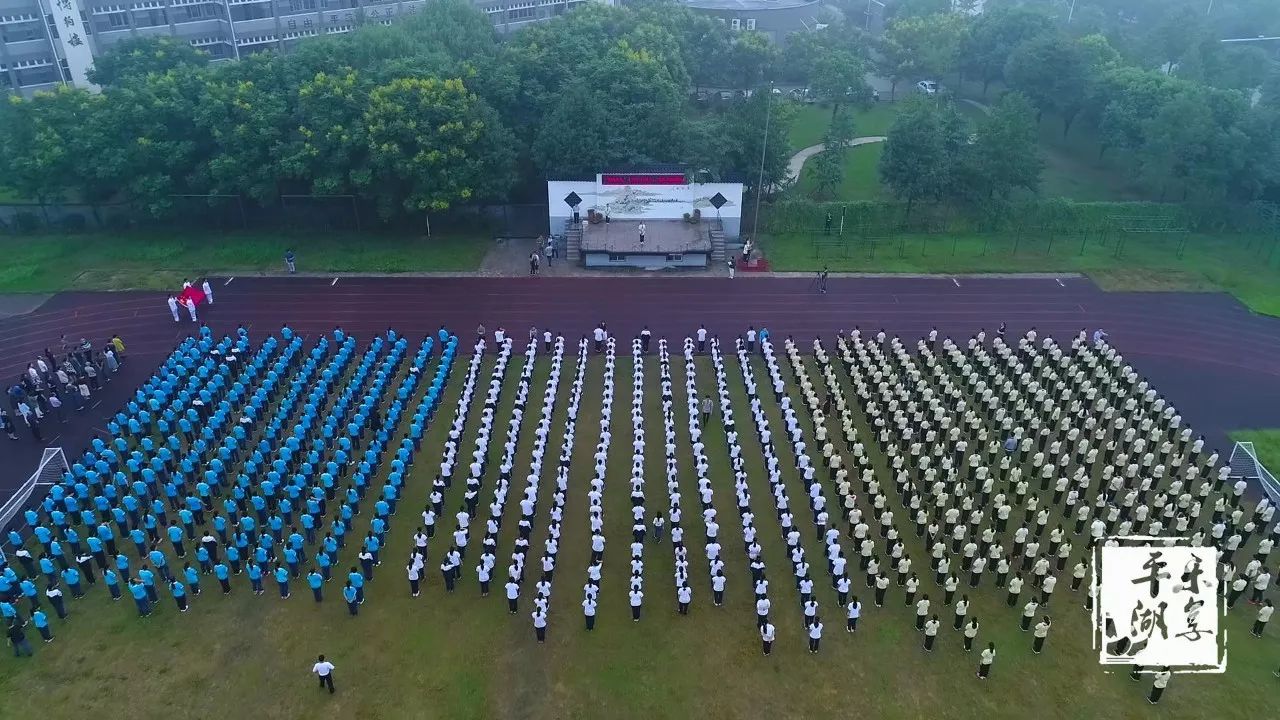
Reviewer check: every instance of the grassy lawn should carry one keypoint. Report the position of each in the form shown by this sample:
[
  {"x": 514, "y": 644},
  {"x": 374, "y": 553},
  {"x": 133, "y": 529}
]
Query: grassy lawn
[
  {"x": 1229, "y": 263},
  {"x": 46, "y": 263},
  {"x": 461, "y": 656},
  {"x": 861, "y": 175},
  {"x": 812, "y": 120},
  {"x": 1072, "y": 166}
]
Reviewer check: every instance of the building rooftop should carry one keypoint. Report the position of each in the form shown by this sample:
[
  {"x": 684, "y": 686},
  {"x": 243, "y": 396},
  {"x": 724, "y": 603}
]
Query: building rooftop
[
  {"x": 752, "y": 5},
  {"x": 661, "y": 236}
]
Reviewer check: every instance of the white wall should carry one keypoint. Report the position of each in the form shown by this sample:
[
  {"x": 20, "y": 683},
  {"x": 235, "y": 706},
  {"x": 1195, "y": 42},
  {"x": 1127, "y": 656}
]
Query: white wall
[{"x": 652, "y": 202}]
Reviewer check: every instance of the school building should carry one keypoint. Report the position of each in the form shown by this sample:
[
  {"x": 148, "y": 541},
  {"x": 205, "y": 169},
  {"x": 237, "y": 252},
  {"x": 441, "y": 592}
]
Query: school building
[{"x": 45, "y": 43}]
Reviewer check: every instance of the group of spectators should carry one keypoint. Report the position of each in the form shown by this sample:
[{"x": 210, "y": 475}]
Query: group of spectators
[{"x": 52, "y": 382}]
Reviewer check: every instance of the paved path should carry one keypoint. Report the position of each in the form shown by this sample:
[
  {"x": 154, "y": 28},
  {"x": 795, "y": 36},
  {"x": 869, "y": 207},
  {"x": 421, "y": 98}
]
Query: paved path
[
  {"x": 797, "y": 161},
  {"x": 984, "y": 108},
  {"x": 1215, "y": 360}
]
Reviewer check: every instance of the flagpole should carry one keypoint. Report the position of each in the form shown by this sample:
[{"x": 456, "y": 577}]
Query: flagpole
[{"x": 764, "y": 148}]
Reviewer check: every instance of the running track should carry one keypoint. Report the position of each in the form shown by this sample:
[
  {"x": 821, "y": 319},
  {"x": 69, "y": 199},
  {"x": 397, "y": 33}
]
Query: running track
[{"x": 1218, "y": 363}]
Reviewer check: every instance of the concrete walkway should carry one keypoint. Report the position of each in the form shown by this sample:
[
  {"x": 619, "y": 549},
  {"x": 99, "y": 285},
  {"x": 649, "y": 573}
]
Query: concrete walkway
[
  {"x": 984, "y": 108},
  {"x": 797, "y": 161}
]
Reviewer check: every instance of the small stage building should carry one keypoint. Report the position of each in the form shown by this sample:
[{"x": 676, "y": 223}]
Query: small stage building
[{"x": 686, "y": 224}]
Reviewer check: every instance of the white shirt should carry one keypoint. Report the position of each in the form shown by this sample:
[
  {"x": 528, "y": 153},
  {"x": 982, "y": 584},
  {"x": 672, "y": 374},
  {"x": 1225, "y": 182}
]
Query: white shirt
[{"x": 322, "y": 668}]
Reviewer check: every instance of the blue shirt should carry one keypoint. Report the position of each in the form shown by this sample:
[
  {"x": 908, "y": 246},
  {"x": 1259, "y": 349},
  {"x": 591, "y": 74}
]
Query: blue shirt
[
  {"x": 349, "y": 593},
  {"x": 282, "y": 575},
  {"x": 221, "y": 572}
]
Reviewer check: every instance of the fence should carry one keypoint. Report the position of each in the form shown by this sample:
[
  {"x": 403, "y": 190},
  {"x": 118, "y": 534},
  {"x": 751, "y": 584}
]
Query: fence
[{"x": 290, "y": 214}]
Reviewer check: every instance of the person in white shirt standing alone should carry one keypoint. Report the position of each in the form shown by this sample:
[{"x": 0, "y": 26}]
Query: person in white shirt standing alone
[{"x": 324, "y": 670}]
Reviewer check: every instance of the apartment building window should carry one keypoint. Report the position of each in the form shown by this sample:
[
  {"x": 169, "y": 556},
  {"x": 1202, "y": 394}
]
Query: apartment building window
[
  {"x": 751, "y": 23},
  {"x": 522, "y": 13},
  {"x": 735, "y": 24},
  {"x": 301, "y": 5},
  {"x": 118, "y": 20}
]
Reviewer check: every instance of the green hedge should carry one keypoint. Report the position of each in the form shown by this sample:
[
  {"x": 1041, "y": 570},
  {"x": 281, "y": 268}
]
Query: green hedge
[{"x": 1057, "y": 216}]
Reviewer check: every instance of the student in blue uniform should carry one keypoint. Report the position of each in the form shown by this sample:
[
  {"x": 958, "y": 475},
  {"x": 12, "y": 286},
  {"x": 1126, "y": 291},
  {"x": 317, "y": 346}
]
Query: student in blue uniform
[
  {"x": 255, "y": 578},
  {"x": 179, "y": 595},
  {"x": 191, "y": 578},
  {"x": 41, "y": 621},
  {"x": 139, "y": 593},
  {"x": 282, "y": 579},
  {"x": 316, "y": 581},
  {"x": 357, "y": 581},
  {"x": 112, "y": 579},
  {"x": 148, "y": 578},
  {"x": 350, "y": 594},
  {"x": 223, "y": 574}
]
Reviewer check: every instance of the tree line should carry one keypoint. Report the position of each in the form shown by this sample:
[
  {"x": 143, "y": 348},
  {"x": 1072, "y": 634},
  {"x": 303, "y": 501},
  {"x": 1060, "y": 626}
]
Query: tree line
[
  {"x": 428, "y": 114},
  {"x": 436, "y": 112},
  {"x": 1196, "y": 118}
]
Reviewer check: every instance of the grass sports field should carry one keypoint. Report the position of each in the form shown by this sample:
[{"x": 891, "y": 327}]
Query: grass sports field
[{"x": 460, "y": 656}]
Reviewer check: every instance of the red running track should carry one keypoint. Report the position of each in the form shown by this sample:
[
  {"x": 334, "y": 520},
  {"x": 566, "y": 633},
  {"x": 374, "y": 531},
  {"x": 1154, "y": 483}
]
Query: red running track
[{"x": 1219, "y": 363}]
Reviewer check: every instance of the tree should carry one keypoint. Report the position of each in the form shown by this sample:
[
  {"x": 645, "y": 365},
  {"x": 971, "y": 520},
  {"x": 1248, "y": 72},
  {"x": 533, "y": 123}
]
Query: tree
[
  {"x": 829, "y": 165},
  {"x": 329, "y": 149},
  {"x": 625, "y": 109},
  {"x": 1129, "y": 97},
  {"x": 903, "y": 9},
  {"x": 433, "y": 145},
  {"x": 750, "y": 57},
  {"x": 156, "y": 148},
  {"x": 1188, "y": 146},
  {"x": 46, "y": 149},
  {"x": 1054, "y": 72},
  {"x": 922, "y": 147},
  {"x": 828, "y": 172},
  {"x": 923, "y": 45},
  {"x": 994, "y": 35},
  {"x": 1003, "y": 155},
  {"x": 839, "y": 77},
  {"x": 895, "y": 62},
  {"x": 246, "y": 112},
  {"x": 135, "y": 58}
]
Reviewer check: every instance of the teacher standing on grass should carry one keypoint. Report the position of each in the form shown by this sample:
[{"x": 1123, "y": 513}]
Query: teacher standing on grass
[{"x": 324, "y": 670}]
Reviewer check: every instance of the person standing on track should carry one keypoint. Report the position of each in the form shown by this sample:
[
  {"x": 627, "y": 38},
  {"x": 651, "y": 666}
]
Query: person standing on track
[
  {"x": 173, "y": 307},
  {"x": 289, "y": 258},
  {"x": 191, "y": 309},
  {"x": 207, "y": 290}
]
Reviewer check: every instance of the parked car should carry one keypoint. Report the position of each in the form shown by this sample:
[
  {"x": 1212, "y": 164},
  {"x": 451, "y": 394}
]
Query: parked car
[
  {"x": 927, "y": 87},
  {"x": 726, "y": 95}
]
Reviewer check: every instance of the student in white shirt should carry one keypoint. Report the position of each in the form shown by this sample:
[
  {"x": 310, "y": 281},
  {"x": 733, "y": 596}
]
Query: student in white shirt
[
  {"x": 1160, "y": 682},
  {"x": 1264, "y": 616},
  {"x": 853, "y": 611},
  {"x": 984, "y": 664},
  {"x": 589, "y": 612},
  {"x": 637, "y": 598},
  {"x": 324, "y": 670},
  {"x": 1041, "y": 632},
  {"x": 767, "y": 634},
  {"x": 815, "y": 636}
]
